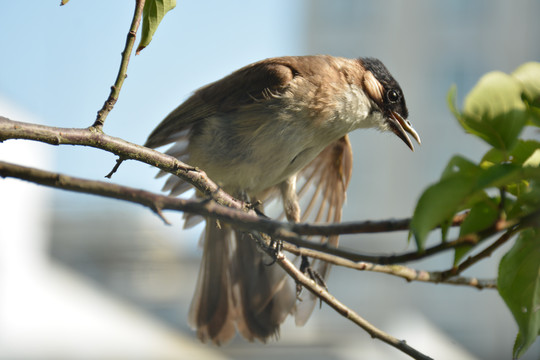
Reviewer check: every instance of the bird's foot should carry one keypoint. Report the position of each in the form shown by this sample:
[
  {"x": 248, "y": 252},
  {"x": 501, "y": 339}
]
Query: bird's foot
[
  {"x": 268, "y": 245},
  {"x": 274, "y": 248},
  {"x": 306, "y": 269}
]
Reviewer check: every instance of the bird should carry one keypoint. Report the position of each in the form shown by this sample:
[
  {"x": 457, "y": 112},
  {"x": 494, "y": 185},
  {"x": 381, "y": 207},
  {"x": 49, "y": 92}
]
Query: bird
[{"x": 275, "y": 129}]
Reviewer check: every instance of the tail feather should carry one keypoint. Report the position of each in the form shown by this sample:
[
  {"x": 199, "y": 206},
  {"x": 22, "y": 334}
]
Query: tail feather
[
  {"x": 238, "y": 289},
  {"x": 264, "y": 295},
  {"x": 212, "y": 312}
]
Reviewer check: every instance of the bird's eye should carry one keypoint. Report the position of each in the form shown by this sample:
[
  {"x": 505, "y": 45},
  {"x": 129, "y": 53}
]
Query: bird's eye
[{"x": 392, "y": 95}]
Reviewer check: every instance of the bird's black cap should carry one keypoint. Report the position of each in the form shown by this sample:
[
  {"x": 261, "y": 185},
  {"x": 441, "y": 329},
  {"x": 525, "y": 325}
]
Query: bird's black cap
[{"x": 392, "y": 96}]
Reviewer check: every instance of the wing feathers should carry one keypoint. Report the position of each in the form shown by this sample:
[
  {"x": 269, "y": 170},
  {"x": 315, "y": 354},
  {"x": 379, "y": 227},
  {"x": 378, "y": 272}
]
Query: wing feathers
[
  {"x": 253, "y": 83},
  {"x": 330, "y": 173}
]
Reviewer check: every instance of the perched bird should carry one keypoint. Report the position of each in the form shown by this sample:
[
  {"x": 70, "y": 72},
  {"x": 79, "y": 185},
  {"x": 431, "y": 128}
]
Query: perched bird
[{"x": 255, "y": 133}]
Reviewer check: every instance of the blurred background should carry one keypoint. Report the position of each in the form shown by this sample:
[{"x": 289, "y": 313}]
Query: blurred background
[{"x": 83, "y": 277}]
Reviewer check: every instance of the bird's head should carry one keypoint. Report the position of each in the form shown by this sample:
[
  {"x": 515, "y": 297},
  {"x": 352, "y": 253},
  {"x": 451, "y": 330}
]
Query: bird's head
[{"x": 388, "y": 100}]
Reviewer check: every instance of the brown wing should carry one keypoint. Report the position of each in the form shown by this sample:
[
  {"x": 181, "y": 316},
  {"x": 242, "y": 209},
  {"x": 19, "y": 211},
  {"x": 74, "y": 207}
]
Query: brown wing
[
  {"x": 253, "y": 83},
  {"x": 330, "y": 173},
  {"x": 326, "y": 180}
]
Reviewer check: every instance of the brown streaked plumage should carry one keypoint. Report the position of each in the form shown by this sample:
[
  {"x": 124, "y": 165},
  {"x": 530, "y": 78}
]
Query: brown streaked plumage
[{"x": 257, "y": 132}]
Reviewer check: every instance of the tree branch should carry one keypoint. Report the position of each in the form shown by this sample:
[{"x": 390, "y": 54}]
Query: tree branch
[
  {"x": 404, "y": 272},
  {"x": 471, "y": 260},
  {"x": 122, "y": 71},
  {"x": 10, "y": 129},
  {"x": 364, "y": 227},
  {"x": 512, "y": 227},
  {"x": 243, "y": 219},
  {"x": 155, "y": 202},
  {"x": 346, "y": 312}
]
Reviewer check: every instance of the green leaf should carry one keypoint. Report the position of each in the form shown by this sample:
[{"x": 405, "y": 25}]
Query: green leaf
[
  {"x": 445, "y": 226},
  {"x": 153, "y": 13},
  {"x": 482, "y": 215},
  {"x": 527, "y": 191},
  {"x": 524, "y": 150},
  {"x": 499, "y": 175},
  {"x": 528, "y": 75},
  {"x": 535, "y": 116},
  {"x": 494, "y": 110},
  {"x": 519, "y": 286},
  {"x": 462, "y": 186},
  {"x": 451, "y": 100},
  {"x": 533, "y": 160},
  {"x": 460, "y": 164},
  {"x": 492, "y": 157},
  {"x": 438, "y": 203}
]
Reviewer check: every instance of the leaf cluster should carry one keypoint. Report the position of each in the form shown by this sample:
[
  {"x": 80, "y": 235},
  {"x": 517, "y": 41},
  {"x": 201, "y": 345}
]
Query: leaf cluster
[{"x": 501, "y": 191}]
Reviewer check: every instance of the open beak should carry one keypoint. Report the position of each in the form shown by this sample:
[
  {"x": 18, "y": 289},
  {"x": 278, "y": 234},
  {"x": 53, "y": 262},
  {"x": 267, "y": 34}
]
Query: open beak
[{"x": 401, "y": 127}]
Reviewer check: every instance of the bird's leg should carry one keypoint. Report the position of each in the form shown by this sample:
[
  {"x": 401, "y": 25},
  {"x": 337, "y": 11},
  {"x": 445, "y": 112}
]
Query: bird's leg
[
  {"x": 266, "y": 243},
  {"x": 256, "y": 206},
  {"x": 306, "y": 268},
  {"x": 290, "y": 199},
  {"x": 272, "y": 245},
  {"x": 292, "y": 212}
]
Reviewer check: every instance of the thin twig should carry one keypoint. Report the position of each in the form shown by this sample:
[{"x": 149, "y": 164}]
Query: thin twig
[
  {"x": 292, "y": 238},
  {"x": 512, "y": 227},
  {"x": 122, "y": 71},
  {"x": 324, "y": 295},
  {"x": 363, "y": 228},
  {"x": 119, "y": 161},
  {"x": 404, "y": 272},
  {"x": 471, "y": 260}
]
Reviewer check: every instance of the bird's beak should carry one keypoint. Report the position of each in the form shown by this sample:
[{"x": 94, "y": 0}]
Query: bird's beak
[{"x": 401, "y": 127}]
